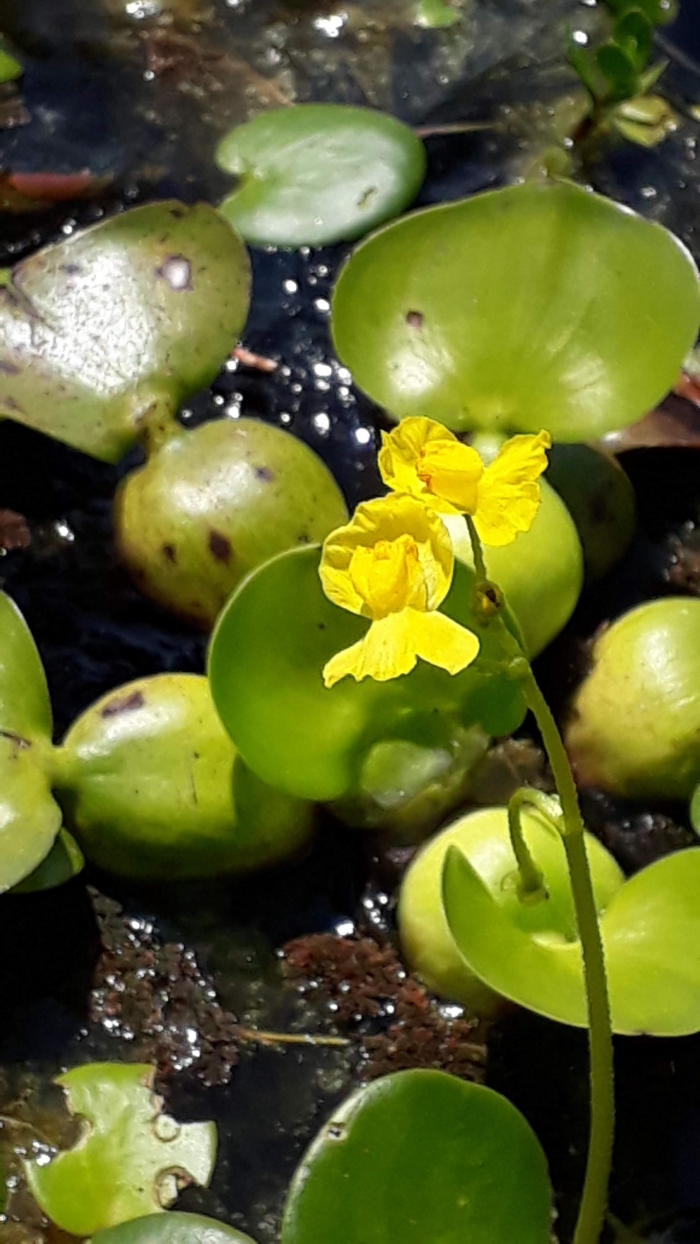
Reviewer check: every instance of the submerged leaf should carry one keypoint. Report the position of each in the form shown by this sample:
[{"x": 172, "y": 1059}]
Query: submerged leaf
[
  {"x": 64, "y": 861},
  {"x": 419, "y": 1156},
  {"x": 130, "y": 1158}
]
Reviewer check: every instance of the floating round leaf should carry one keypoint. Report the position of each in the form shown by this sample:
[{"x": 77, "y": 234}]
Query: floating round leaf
[
  {"x": 650, "y": 927},
  {"x": 540, "y": 573},
  {"x": 153, "y": 788},
  {"x": 418, "y": 1156},
  {"x": 265, "y": 667},
  {"x": 539, "y": 305},
  {"x": 213, "y": 503},
  {"x": 635, "y": 723},
  {"x": 130, "y": 1158},
  {"x": 172, "y": 1228},
  {"x": 115, "y": 327},
  {"x": 319, "y": 173}
]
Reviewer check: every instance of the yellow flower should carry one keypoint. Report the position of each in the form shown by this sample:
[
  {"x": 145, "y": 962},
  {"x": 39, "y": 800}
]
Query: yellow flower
[
  {"x": 425, "y": 459},
  {"x": 393, "y": 563}
]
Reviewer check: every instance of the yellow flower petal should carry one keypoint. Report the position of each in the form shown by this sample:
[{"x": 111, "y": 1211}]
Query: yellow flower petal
[
  {"x": 385, "y": 652},
  {"x": 392, "y": 645},
  {"x": 407, "y": 558},
  {"x": 451, "y": 473},
  {"x": 509, "y": 490},
  {"x": 403, "y": 451},
  {"x": 442, "y": 641}
]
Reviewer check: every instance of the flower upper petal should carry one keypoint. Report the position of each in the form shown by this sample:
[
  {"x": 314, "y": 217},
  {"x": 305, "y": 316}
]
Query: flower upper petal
[
  {"x": 509, "y": 490},
  {"x": 404, "y": 449},
  {"x": 392, "y": 645},
  {"x": 393, "y": 553}
]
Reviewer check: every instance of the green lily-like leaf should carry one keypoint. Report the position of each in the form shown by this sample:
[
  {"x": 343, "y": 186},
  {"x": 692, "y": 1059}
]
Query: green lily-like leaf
[
  {"x": 172, "y": 1228},
  {"x": 64, "y": 861},
  {"x": 265, "y": 668},
  {"x": 418, "y": 1156},
  {"x": 10, "y": 67},
  {"x": 130, "y": 1158},
  {"x": 539, "y": 305},
  {"x": 650, "y": 927},
  {"x": 319, "y": 173},
  {"x": 119, "y": 324}
]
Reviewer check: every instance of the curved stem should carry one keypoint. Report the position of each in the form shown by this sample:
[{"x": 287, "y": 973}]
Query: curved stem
[
  {"x": 477, "y": 550},
  {"x": 602, "y": 1127},
  {"x": 531, "y": 886}
]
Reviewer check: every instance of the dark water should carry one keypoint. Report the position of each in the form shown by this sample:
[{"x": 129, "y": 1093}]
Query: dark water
[{"x": 92, "y": 104}]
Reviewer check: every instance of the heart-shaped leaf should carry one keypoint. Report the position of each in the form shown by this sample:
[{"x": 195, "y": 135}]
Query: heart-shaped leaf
[
  {"x": 265, "y": 667},
  {"x": 120, "y": 322},
  {"x": 25, "y": 708},
  {"x": 130, "y": 1158},
  {"x": 539, "y": 305},
  {"x": 172, "y": 1228},
  {"x": 651, "y": 934},
  {"x": 319, "y": 173},
  {"x": 64, "y": 861},
  {"x": 418, "y": 1156}
]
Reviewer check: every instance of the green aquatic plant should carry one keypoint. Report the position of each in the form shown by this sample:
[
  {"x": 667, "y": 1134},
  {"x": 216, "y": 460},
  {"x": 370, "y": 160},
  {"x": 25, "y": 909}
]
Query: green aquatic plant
[
  {"x": 618, "y": 76},
  {"x": 416, "y": 1156},
  {"x": 393, "y": 613},
  {"x": 102, "y": 338},
  {"x": 516, "y": 309},
  {"x": 600, "y": 498},
  {"x": 147, "y": 779},
  {"x": 313, "y": 174},
  {"x": 130, "y": 1159},
  {"x": 634, "y": 725}
]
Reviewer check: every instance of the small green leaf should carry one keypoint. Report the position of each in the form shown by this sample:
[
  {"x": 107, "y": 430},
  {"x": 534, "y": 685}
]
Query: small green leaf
[
  {"x": 647, "y": 120},
  {"x": 633, "y": 34},
  {"x": 25, "y": 708},
  {"x": 421, "y": 1156},
  {"x": 435, "y": 15},
  {"x": 172, "y": 1228},
  {"x": 539, "y": 305},
  {"x": 314, "y": 174},
  {"x": 265, "y": 667},
  {"x": 584, "y": 61},
  {"x": 10, "y": 68},
  {"x": 618, "y": 70},
  {"x": 128, "y": 318},
  {"x": 64, "y": 861},
  {"x": 130, "y": 1157}
]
